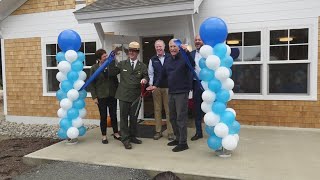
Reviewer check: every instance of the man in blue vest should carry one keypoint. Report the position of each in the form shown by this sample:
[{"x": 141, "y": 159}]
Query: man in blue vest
[
  {"x": 197, "y": 92},
  {"x": 160, "y": 95}
]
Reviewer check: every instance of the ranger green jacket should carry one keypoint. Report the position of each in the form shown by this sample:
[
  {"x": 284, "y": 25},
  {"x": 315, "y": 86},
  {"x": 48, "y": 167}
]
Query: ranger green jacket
[
  {"x": 129, "y": 87},
  {"x": 106, "y": 83}
]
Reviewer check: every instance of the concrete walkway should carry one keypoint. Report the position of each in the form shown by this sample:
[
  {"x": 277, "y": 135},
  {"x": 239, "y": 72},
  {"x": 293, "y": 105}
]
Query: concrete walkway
[{"x": 263, "y": 153}]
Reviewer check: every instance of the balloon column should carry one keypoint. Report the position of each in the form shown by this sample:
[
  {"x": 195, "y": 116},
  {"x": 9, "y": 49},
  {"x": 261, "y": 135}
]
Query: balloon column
[
  {"x": 215, "y": 74},
  {"x": 71, "y": 77}
]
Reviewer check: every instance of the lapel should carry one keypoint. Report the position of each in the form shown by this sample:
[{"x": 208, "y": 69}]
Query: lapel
[{"x": 138, "y": 66}]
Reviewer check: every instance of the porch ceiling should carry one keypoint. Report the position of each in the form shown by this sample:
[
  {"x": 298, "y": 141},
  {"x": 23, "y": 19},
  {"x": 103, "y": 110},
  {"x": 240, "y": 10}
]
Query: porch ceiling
[{"x": 114, "y": 10}]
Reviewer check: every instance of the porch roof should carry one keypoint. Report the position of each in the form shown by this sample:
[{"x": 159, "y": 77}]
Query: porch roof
[{"x": 114, "y": 10}]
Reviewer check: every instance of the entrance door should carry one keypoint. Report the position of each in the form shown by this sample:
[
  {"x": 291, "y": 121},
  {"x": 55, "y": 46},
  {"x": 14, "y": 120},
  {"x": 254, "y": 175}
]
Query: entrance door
[{"x": 148, "y": 51}]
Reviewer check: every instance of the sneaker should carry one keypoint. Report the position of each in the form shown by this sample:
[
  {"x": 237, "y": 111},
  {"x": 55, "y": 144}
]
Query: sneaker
[
  {"x": 180, "y": 147},
  {"x": 157, "y": 136},
  {"x": 135, "y": 140},
  {"x": 173, "y": 143},
  {"x": 170, "y": 137}
]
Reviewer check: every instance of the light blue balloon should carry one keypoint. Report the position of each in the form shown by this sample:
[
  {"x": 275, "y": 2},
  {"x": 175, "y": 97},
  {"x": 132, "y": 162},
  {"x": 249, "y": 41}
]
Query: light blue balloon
[
  {"x": 214, "y": 85},
  {"x": 210, "y": 130},
  {"x": 227, "y": 62},
  {"x": 206, "y": 74},
  {"x": 60, "y": 56},
  {"x": 218, "y": 107},
  {"x": 81, "y": 56},
  {"x": 227, "y": 118},
  {"x": 234, "y": 128},
  {"x": 61, "y": 95},
  {"x": 73, "y": 76},
  {"x": 79, "y": 104},
  {"x": 65, "y": 124},
  {"x": 82, "y": 94},
  {"x": 202, "y": 63},
  {"x": 223, "y": 96},
  {"x": 62, "y": 134},
  {"x": 82, "y": 130},
  {"x": 230, "y": 72},
  {"x": 77, "y": 66},
  {"x": 214, "y": 142},
  {"x": 72, "y": 113},
  {"x": 220, "y": 50},
  {"x": 66, "y": 85}
]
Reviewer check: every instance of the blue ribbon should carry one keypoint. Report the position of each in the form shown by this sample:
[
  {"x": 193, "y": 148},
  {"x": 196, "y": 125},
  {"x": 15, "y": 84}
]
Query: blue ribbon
[
  {"x": 186, "y": 59},
  {"x": 99, "y": 70}
]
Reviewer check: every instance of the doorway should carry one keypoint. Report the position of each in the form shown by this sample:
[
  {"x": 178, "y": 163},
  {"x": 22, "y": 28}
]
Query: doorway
[{"x": 147, "y": 52}]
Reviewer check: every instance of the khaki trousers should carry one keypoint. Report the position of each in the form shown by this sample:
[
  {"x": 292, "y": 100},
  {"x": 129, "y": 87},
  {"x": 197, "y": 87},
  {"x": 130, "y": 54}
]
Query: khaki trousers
[{"x": 160, "y": 96}]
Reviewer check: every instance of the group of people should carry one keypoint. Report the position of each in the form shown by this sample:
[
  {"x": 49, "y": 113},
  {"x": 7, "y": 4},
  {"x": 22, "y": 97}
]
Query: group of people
[{"x": 170, "y": 81}]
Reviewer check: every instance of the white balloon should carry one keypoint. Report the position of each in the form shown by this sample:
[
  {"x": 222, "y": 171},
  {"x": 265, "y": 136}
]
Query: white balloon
[
  {"x": 82, "y": 75},
  {"x": 208, "y": 96},
  {"x": 237, "y": 137},
  {"x": 206, "y": 107},
  {"x": 82, "y": 113},
  {"x": 206, "y": 50},
  {"x": 231, "y": 95},
  {"x": 213, "y": 62},
  {"x": 222, "y": 73},
  {"x": 228, "y": 84},
  {"x": 229, "y": 142},
  {"x": 228, "y": 50},
  {"x": 62, "y": 113},
  {"x": 73, "y": 94},
  {"x": 64, "y": 67},
  {"x": 232, "y": 110},
  {"x": 73, "y": 133},
  {"x": 211, "y": 119},
  {"x": 66, "y": 104},
  {"x": 78, "y": 84},
  {"x": 77, "y": 122},
  {"x": 221, "y": 130},
  {"x": 61, "y": 77},
  {"x": 205, "y": 85},
  {"x": 71, "y": 55}
]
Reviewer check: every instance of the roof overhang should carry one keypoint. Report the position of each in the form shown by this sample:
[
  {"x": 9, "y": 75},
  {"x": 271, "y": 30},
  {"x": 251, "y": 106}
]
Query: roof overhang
[
  {"x": 96, "y": 15},
  {"x": 9, "y": 6}
]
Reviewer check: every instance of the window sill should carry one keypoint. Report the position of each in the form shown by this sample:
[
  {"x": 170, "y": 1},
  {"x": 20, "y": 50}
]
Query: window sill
[{"x": 278, "y": 97}]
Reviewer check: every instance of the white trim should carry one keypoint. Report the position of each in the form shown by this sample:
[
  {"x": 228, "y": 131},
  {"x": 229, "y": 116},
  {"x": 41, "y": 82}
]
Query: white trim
[
  {"x": 44, "y": 120},
  {"x": 4, "y": 81}
]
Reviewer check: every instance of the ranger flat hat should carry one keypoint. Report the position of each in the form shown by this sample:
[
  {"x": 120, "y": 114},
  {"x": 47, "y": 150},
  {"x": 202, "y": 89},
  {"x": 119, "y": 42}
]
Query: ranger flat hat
[{"x": 134, "y": 46}]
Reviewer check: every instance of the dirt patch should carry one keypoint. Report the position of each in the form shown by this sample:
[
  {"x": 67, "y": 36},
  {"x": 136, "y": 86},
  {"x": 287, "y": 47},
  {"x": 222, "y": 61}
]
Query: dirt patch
[{"x": 12, "y": 151}]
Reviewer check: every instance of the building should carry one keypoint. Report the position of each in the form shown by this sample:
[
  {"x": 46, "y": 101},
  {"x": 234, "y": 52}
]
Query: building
[{"x": 276, "y": 74}]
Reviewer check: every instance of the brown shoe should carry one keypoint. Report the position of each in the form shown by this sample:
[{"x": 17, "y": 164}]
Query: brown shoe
[
  {"x": 157, "y": 136},
  {"x": 127, "y": 144}
]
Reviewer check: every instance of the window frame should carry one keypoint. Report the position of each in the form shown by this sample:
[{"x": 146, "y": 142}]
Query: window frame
[
  {"x": 265, "y": 61},
  {"x": 44, "y": 42}
]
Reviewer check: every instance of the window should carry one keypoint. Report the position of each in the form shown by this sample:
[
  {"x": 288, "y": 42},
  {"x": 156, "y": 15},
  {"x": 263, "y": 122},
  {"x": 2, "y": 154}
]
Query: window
[{"x": 52, "y": 84}]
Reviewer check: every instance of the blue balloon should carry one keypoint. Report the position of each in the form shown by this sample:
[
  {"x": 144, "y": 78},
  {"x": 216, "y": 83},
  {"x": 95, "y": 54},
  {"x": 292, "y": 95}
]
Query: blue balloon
[
  {"x": 65, "y": 124},
  {"x": 73, "y": 76},
  {"x": 72, "y": 113},
  {"x": 214, "y": 85},
  {"x": 206, "y": 74},
  {"x": 235, "y": 52},
  {"x": 220, "y": 50},
  {"x": 234, "y": 128},
  {"x": 69, "y": 40},
  {"x": 81, "y": 56},
  {"x": 79, "y": 104},
  {"x": 62, "y": 134},
  {"x": 202, "y": 63},
  {"x": 227, "y": 118},
  {"x": 66, "y": 85},
  {"x": 61, "y": 95},
  {"x": 223, "y": 96},
  {"x": 213, "y": 31},
  {"x": 82, "y": 130},
  {"x": 82, "y": 94},
  {"x": 218, "y": 107},
  {"x": 230, "y": 72},
  {"x": 214, "y": 142},
  {"x": 77, "y": 66},
  {"x": 227, "y": 62},
  {"x": 210, "y": 130},
  {"x": 60, "y": 57}
]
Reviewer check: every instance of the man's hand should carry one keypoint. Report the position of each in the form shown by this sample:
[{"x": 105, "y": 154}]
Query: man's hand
[
  {"x": 151, "y": 88},
  {"x": 96, "y": 101},
  {"x": 184, "y": 47},
  {"x": 143, "y": 81}
]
